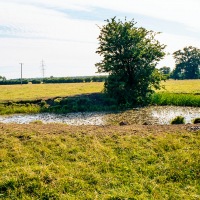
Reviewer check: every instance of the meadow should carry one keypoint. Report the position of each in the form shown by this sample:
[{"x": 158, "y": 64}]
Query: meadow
[
  {"x": 56, "y": 161},
  {"x": 78, "y": 97},
  {"x": 181, "y": 86},
  {"x": 43, "y": 91}
]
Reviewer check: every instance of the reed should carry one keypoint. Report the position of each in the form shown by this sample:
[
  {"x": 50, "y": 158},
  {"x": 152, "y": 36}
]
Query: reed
[
  {"x": 176, "y": 99},
  {"x": 19, "y": 108}
]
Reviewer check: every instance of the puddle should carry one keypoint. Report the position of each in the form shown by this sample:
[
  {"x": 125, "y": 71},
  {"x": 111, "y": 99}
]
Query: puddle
[
  {"x": 164, "y": 115},
  {"x": 70, "y": 119},
  {"x": 148, "y": 115}
]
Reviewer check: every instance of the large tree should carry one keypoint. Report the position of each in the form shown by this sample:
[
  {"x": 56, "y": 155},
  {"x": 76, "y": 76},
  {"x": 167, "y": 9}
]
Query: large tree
[
  {"x": 130, "y": 55},
  {"x": 187, "y": 63}
]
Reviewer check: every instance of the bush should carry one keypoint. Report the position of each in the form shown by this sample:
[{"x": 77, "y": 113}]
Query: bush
[
  {"x": 196, "y": 121},
  {"x": 178, "y": 120}
]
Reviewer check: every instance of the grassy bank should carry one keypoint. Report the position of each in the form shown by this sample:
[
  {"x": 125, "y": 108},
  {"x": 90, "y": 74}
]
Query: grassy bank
[
  {"x": 165, "y": 98},
  {"x": 56, "y": 161}
]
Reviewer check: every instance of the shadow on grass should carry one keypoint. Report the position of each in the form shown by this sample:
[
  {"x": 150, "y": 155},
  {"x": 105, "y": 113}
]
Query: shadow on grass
[
  {"x": 61, "y": 105},
  {"x": 79, "y": 103}
]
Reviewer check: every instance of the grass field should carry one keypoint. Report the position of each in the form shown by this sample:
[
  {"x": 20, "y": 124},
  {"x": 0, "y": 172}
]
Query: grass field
[
  {"x": 31, "y": 91},
  {"x": 182, "y": 86},
  {"x": 57, "y": 161},
  {"x": 39, "y": 91}
]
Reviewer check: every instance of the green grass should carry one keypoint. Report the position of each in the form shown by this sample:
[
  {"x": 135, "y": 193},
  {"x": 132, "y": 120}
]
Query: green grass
[
  {"x": 19, "y": 108},
  {"x": 56, "y": 161},
  {"x": 178, "y": 93},
  {"x": 27, "y": 98},
  {"x": 39, "y": 91},
  {"x": 164, "y": 98}
]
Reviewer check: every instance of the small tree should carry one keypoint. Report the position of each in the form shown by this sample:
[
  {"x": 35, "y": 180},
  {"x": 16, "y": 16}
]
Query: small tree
[
  {"x": 165, "y": 70},
  {"x": 130, "y": 55},
  {"x": 2, "y": 78},
  {"x": 187, "y": 63}
]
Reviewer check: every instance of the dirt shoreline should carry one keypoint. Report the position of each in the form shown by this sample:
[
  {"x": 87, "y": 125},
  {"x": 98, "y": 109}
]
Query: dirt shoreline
[{"x": 57, "y": 128}]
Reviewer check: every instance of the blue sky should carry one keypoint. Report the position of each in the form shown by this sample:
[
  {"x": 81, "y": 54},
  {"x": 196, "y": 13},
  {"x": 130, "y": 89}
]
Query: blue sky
[{"x": 64, "y": 33}]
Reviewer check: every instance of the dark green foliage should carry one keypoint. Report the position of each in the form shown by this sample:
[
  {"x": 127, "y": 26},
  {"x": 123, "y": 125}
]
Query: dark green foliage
[
  {"x": 3, "y": 81},
  {"x": 75, "y": 79},
  {"x": 165, "y": 71},
  {"x": 196, "y": 121},
  {"x": 78, "y": 103},
  {"x": 82, "y": 103},
  {"x": 13, "y": 82},
  {"x": 178, "y": 120},
  {"x": 187, "y": 63},
  {"x": 130, "y": 55}
]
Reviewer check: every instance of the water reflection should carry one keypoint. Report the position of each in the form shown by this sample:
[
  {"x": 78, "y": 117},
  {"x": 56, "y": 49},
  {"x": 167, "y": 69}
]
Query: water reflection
[
  {"x": 147, "y": 115},
  {"x": 164, "y": 115}
]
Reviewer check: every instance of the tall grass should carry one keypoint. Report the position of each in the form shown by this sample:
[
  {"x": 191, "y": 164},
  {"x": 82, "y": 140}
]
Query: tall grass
[
  {"x": 19, "y": 108},
  {"x": 165, "y": 98},
  {"x": 56, "y": 161}
]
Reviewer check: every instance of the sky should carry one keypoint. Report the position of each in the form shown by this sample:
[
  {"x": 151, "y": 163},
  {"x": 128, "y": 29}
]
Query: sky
[{"x": 63, "y": 33}]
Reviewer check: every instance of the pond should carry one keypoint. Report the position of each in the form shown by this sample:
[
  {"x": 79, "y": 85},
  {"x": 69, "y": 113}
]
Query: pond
[{"x": 147, "y": 115}]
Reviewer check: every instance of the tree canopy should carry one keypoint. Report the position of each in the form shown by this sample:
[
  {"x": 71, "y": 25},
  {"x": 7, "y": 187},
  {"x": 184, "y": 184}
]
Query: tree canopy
[
  {"x": 187, "y": 63},
  {"x": 130, "y": 55}
]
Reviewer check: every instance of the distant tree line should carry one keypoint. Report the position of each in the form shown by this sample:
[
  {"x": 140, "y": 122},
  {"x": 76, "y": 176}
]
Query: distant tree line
[{"x": 54, "y": 80}]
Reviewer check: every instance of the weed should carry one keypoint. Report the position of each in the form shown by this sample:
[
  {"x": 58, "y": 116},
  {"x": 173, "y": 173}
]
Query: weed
[
  {"x": 196, "y": 121},
  {"x": 178, "y": 120}
]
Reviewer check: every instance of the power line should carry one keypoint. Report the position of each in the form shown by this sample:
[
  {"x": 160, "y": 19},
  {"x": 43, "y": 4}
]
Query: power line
[
  {"x": 43, "y": 69},
  {"x": 21, "y": 72}
]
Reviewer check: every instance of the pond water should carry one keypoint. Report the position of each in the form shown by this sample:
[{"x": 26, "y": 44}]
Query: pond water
[{"x": 147, "y": 115}]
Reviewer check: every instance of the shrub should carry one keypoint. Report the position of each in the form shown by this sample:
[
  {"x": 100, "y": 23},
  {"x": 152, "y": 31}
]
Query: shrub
[
  {"x": 196, "y": 121},
  {"x": 178, "y": 120}
]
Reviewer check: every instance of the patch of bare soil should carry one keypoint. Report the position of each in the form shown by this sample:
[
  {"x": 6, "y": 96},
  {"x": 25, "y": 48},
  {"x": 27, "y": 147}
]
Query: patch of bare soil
[{"x": 56, "y": 128}]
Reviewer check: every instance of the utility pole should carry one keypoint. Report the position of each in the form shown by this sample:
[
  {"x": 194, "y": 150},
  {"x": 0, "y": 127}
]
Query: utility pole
[
  {"x": 21, "y": 72},
  {"x": 43, "y": 69}
]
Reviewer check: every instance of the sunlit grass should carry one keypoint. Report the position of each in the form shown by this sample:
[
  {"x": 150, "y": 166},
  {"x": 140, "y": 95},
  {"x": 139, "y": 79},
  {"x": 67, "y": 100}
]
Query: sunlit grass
[
  {"x": 56, "y": 161},
  {"x": 38, "y": 91},
  {"x": 181, "y": 86}
]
